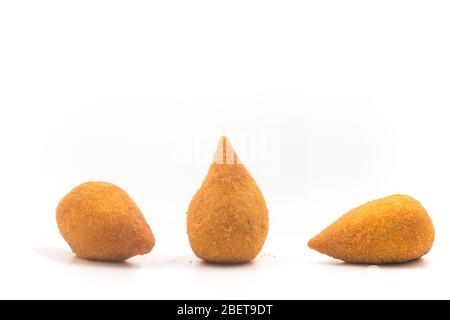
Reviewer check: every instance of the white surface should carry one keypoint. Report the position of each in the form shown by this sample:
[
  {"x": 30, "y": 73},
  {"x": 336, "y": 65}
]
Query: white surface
[{"x": 329, "y": 104}]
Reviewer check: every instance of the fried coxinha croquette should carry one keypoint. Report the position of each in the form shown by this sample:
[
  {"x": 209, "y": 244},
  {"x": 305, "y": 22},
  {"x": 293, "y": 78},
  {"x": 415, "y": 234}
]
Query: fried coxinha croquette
[
  {"x": 395, "y": 229},
  {"x": 101, "y": 222},
  {"x": 227, "y": 220}
]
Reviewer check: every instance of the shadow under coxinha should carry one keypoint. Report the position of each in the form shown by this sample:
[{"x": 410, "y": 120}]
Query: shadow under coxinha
[
  {"x": 415, "y": 264},
  {"x": 209, "y": 265},
  {"x": 66, "y": 257}
]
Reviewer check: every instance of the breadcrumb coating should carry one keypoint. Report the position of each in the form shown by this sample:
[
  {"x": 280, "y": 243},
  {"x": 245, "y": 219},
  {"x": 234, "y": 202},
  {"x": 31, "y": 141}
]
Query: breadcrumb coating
[
  {"x": 396, "y": 229},
  {"x": 101, "y": 222},
  {"x": 227, "y": 220}
]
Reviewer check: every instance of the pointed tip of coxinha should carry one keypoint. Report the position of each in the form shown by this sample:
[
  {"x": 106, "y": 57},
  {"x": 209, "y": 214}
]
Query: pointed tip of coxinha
[
  {"x": 225, "y": 153},
  {"x": 312, "y": 244},
  {"x": 316, "y": 244}
]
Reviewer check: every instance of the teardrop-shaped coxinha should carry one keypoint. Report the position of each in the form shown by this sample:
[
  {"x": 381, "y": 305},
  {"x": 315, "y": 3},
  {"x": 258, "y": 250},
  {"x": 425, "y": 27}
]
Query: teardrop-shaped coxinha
[
  {"x": 394, "y": 229},
  {"x": 101, "y": 222},
  {"x": 227, "y": 220}
]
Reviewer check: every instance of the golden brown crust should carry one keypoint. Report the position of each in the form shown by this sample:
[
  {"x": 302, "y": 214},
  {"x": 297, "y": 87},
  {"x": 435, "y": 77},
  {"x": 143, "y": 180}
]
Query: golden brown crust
[
  {"x": 227, "y": 220},
  {"x": 395, "y": 229},
  {"x": 101, "y": 222}
]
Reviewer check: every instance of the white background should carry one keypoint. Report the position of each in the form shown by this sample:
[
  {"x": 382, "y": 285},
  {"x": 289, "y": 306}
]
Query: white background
[{"x": 328, "y": 103}]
